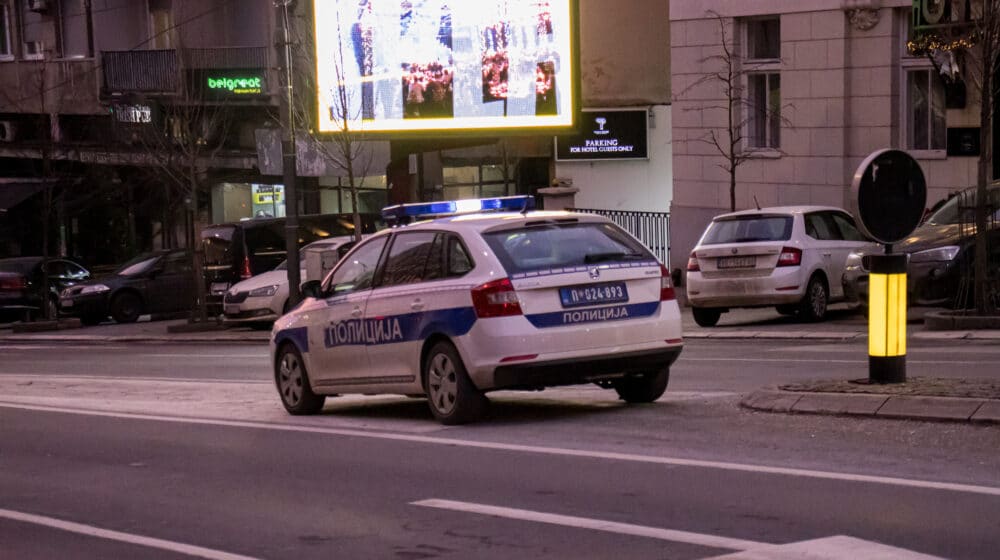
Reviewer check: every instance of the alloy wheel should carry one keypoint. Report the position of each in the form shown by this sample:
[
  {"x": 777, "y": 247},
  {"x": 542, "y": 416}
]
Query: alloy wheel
[
  {"x": 442, "y": 384},
  {"x": 290, "y": 379}
]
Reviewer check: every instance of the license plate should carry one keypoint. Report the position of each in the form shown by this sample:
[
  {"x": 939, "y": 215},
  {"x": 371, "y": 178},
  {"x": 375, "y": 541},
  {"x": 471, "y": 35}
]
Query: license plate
[
  {"x": 593, "y": 294},
  {"x": 737, "y": 262},
  {"x": 219, "y": 288},
  {"x": 231, "y": 309},
  {"x": 66, "y": 303}
]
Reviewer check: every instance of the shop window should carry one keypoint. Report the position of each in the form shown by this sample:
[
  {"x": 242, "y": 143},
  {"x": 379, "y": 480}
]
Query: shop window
[{"x": 926, "y": 127}]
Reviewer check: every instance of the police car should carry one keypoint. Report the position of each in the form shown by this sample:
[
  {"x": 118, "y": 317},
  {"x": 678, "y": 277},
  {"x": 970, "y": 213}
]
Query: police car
[{"x": 488, "y": 295}]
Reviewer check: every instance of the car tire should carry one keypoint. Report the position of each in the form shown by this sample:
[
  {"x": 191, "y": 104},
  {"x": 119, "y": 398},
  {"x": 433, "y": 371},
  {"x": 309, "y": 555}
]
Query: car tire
[
  {"x": 646, "y": 388},
  {"x": 91, "y": 320},
  {"x": 126, "y": 308},
  {"x": 292, "y": 382},
  {"x": 53, "y": 309},
  {"x": 706, "y": 316},
  {"x": 814, "y": 303},
  {"x": 452, "y": 396}
]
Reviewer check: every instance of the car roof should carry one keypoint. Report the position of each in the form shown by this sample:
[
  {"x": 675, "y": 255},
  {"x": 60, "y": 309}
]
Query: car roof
[{"x": 781, "y": 210}]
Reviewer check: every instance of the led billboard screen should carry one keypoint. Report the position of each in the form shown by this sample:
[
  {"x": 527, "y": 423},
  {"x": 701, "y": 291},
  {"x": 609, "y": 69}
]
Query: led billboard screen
[{"x": 436, "y": 65}]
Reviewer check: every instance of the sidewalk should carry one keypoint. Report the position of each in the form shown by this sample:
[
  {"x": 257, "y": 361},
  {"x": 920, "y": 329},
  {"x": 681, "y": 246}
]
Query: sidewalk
[{"x": 945, "y": 403}]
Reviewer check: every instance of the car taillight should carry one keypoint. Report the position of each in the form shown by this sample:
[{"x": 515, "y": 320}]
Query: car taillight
[
  {"x": 496, "y": 299},
  {"x": 693, "y": 263},
  {"x": 245, "y": 271},
  {"x": 790, "y": 256},
  {"x": 666, "y": 285},
  {"x": 14, "y": 283}
]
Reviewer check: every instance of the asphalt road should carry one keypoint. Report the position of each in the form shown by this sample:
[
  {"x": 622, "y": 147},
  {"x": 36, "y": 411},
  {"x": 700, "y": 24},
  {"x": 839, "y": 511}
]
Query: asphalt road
[{"x": 158, "y": 452}]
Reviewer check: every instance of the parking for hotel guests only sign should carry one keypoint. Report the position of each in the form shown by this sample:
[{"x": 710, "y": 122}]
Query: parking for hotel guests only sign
[{"x": 606, "y": 134}]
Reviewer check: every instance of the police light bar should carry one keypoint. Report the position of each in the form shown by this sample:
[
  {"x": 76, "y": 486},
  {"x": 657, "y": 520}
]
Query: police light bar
[{"x": 406, "y": 212}]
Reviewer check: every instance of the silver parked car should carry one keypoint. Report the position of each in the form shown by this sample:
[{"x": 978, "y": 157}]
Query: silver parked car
[{"x": 789, "y": 257}]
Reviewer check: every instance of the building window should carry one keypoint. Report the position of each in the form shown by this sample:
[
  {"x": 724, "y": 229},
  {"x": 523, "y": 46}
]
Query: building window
[
  {"x": 34, "y": 50},
  {"x": 5, "y": 29},
  {"x": 161, "y": 24},
  {"x": 477, "y": 181},
  {"x": 762, "y": 68},
  {"x": 926, "y": 127},
  {"x": 763, "y": 39}
]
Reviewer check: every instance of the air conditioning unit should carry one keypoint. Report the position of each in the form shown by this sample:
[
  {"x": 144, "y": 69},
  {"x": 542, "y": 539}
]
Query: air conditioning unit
[
  {"x": 38, "y": 5},
  {"x": 8, "y": 131}
]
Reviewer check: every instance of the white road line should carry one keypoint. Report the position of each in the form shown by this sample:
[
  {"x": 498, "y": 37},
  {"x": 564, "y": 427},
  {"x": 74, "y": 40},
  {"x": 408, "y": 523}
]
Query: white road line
[
  {"x": 594, "y": 524},
  {"x": 39, "y": 377},
  {"x": 823, "y": 361},
  {"x": 534, "y": 449},
  {"x": 149, "y": 542}
]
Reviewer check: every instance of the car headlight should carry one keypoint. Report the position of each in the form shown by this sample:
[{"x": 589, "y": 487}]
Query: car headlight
[
  {"x": 938, "y": 254},
  {"x": 94, "y": 289},
  {"x": 853, "y": 261},
  {"x": 266, "y": 291}
]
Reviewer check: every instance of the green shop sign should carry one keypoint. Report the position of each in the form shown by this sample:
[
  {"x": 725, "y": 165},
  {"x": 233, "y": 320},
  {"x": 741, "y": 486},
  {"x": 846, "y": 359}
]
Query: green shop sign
[{"x": 234, "y": 85}]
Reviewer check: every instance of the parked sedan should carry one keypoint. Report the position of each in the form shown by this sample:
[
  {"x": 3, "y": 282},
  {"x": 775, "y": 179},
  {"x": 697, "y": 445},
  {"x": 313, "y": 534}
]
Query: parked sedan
[
  {"x": 22, "y": 286},
  {"x": 940, "y": 250},
  {"x": 263, "y": 298},
  {"x": 788, "y": 257},
  {"x": 156, "y": 282}
]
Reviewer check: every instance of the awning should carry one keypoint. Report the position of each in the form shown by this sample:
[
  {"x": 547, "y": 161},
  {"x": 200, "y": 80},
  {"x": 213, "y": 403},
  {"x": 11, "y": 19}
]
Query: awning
[{"x": 16, "y": 191}]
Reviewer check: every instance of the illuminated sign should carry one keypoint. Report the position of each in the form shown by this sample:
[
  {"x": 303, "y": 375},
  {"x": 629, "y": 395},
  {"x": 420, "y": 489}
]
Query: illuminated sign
[
  {"x": 611, "y": 134},
  {"x": 435, "y": 65},
  {"x": 133, "y": 114},
  {"x": 234, "y": 85}
]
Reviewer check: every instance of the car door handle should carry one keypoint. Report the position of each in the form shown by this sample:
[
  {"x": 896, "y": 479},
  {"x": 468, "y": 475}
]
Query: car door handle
[
  {"x": 417, "y": 305},
  {"x": 356, "y": 312}
]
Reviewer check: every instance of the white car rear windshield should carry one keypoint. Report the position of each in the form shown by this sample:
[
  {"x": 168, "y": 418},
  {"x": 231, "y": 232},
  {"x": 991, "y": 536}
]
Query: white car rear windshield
[
  {"x": 543, "y": 247},
  {"x": 746, "y": 229}
]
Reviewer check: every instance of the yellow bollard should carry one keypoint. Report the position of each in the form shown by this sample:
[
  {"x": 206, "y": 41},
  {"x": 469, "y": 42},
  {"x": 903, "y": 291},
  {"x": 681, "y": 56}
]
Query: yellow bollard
[{"x": 887, "y": 319}]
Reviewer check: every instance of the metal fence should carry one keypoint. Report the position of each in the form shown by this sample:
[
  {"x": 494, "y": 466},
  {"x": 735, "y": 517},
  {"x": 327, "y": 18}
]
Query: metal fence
[{"x": 652, "y": 228}]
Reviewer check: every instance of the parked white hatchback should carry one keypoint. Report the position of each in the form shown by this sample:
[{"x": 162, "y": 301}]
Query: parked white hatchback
[
  {"x": 261, "y": 299},
  {"x": 789, "y": 257},
  {"x": 479, "y": 301}
]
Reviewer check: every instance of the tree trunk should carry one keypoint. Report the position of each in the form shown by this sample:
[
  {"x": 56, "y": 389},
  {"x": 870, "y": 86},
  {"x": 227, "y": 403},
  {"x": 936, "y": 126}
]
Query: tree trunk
[{"x": 980, "y": 285}]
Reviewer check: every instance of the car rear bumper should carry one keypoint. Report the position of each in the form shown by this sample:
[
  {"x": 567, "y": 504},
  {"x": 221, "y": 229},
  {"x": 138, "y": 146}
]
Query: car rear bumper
[
  {"x": 781, "y": 287},
  {"x": 582, "y": 370}
]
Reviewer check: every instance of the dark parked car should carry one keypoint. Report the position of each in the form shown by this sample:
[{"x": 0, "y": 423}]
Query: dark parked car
[
  {"x": 22, "y": 291},
  {"x": 940, "y": 250},
  {"x": 240, "y": 250},
  {"x": 156, "y": 282}
]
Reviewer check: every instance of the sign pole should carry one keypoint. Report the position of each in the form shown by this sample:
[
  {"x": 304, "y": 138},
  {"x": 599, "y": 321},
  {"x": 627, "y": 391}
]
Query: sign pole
[{"x": 887, "y": 318}]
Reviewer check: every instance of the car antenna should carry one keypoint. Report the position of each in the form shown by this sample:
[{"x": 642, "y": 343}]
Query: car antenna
[{"x": 755, "y": 203}]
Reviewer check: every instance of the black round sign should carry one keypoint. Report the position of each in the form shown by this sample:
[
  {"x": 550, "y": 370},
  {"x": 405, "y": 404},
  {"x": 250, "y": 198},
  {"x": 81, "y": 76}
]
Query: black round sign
[{"x": 889, "y": 195}]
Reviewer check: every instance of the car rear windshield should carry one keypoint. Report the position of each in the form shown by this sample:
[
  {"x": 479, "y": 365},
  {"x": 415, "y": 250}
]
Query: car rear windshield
[
  {"x": 138, "y": 265},
  {"x": 543, "y": 247},
  {"x": 218, "y": 245},
  {"x": 19, "y": 266},
  {"x": 745, "y": 229}
]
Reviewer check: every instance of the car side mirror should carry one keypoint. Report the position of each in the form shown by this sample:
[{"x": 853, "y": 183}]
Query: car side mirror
[{"x": 313, "y": 289}]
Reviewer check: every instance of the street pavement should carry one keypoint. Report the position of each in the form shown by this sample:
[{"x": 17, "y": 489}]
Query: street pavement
[{"x": 844, "y": 324}]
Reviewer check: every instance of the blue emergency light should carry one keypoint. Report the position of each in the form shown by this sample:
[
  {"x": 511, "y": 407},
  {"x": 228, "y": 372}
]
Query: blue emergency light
[{"x": 402, "y": 213}]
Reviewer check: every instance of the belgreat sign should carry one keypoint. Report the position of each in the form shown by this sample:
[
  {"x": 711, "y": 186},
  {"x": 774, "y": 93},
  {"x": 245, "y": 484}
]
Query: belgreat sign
[
  {"x": 231, "y": 83},
  {"x": 237, "y": 86}
]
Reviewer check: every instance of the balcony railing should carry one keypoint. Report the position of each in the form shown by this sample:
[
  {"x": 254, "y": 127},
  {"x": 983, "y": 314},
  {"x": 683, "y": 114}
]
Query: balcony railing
[
  {"x": 158, "y": 71},
  {"x": 151, "y": 71}
]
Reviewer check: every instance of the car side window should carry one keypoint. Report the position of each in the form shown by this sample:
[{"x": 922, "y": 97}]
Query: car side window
[
  {"x": 176, "y": 263},
  {"x": 847, "y": 228},
  {"x": 76, "y": 272},
  {"x": 357, "y": 271},
  {"x": 407, "y": 258},
  {"x": 56, "y": 269},
  {"x": 819, "y": 227},
  {"x": 459, "y": 262},
  {"x": 434, "y": 270}
]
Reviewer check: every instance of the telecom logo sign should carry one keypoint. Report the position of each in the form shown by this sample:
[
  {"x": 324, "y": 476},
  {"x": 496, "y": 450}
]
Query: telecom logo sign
[
  {"x": 608, "y": 135},
  {"x": 248, "y": 85}
]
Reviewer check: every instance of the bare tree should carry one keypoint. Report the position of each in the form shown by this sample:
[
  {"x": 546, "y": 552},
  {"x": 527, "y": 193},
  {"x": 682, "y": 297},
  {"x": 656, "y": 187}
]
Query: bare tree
[
  {"x": 728, "y": 70},
  {"x": 970, "y": 51}
]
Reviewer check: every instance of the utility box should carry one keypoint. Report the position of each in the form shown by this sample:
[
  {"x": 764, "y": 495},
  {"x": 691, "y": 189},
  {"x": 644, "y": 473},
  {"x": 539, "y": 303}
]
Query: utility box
[{"x": 319, "y": 261}]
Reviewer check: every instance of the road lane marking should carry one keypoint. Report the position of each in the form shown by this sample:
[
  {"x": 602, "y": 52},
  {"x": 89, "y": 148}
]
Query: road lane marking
[
  {"x": 532, "y": 449},
  {"x": 672, "y": 535},
  {"x": 41, "y": 377},
  {"x": 824, "y": 361},
  {"x": 148, "y": 542}
]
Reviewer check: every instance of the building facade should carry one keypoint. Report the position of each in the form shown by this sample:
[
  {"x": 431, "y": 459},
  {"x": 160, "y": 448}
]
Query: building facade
[{"x": 822, "y": 84}]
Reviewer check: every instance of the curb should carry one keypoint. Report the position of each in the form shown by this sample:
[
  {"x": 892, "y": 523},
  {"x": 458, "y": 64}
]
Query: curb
[{"x": 897, "y": 407}]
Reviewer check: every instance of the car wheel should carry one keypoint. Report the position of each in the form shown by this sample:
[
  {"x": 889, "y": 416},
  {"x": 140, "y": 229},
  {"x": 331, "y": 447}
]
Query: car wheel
[
  {"x": 126, "y": 308},
  {"x": 787, "y": 309},
  {"x": 452, "y": 396},
  {"x": 813, "y": 305},
  {"x": 706, "y": 316},
  {"x": 644, "y": 388},
  {"x": 91, "y": 320},
  {"x": 292, "y": 380}
]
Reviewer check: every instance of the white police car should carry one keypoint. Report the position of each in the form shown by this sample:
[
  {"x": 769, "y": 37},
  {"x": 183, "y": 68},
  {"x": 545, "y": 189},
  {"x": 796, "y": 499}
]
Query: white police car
[{"x": 457, "y": 306}]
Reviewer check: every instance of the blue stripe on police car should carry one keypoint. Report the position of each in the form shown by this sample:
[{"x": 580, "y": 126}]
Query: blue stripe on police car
[{"x": 594, "y": 315}]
